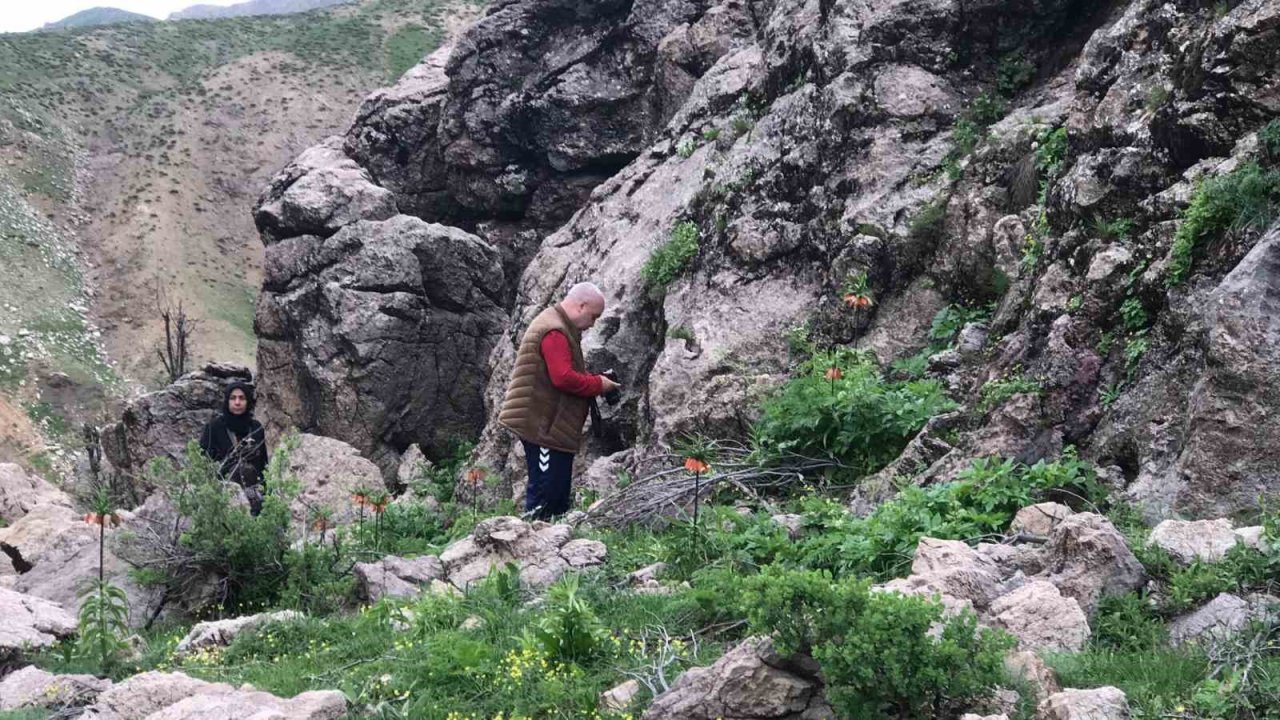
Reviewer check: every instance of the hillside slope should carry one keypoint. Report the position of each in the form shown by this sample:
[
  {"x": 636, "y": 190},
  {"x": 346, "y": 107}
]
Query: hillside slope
[
  {"x": 253, "y": 7},
  {"x": 128, "y": 157},
  {"x": 96, "y": 16}
]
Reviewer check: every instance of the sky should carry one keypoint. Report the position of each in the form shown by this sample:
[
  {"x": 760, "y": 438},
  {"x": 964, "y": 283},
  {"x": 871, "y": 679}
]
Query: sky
[{"x": 23, "y": 15}]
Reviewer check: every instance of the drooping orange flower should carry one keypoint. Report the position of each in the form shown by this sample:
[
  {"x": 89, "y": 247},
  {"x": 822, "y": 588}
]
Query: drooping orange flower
[
  {"x": 858, "y": 301},
  {"x": 108, "y": 519},
  {"x": 834, "y": 373},
  {"x": 379, "y": 503},
  {"x": 695, "y": 465},
  {"x": 475, "y": 475}
]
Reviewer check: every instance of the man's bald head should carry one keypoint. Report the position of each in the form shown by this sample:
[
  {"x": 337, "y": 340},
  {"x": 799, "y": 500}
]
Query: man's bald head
[{"x": 584, "y": 304}]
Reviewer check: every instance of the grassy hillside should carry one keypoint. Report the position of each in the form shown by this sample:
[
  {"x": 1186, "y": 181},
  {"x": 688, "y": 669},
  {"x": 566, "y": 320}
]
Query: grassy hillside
[{"x": 130, "y": 156}]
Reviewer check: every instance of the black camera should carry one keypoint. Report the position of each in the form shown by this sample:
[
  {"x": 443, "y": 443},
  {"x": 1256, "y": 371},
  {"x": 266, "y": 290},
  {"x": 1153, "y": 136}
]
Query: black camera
[{"x": 613, "y": 396}]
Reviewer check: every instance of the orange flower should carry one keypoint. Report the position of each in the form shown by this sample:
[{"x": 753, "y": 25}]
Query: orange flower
[
  {"x": 695, "y": 465},
  {"x": 108, "y": 519},
  {"x": 858, "y": 301},
  {"x": 834, "y": 373},
  {"x": 475, "y": 475},
  {"x": 320, "y": 523},
  {"x": 359, "y": 498}
]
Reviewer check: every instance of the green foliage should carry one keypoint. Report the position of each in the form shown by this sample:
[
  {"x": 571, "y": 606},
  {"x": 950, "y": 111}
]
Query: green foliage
[
  {"x": 1051, "y": 151},
  {"x": 858, "y": 419},
  {"x": 1155, "y": 681},
  {"x": 1117, "y": 229},
  {"x": 928, "y": 224},
  {"x": 438, "y": 480},
  {"x": 980, "y": 503},
  {"x": 686, "y": 148},
  {"x": 248, "y": 554},
  {"x": 1014, "y": 73},
  {"x": 878, "y": 655},
  {"x": 969, "y": 130},
  {"x": 1157, "y": 97},
  {"x": 670, "y": 260},
  {"x": 994, "y": 393},
  {"x": 950, "y": 320},
  {"x": 104, "y": 623},
  {"x": 1269, "y": 141},
  {"x": 1110, "y": 394},
  {"x": 1133, "y": 315},
  {"x": 408, "y": 46},
  {"x": 1248, "y": 197},
  {"x": 1134, "y": 350},
  {"x": 569, "y": 630},
  {"x": 711, "y": 134},
  {"x": 1128, "y": 622},
  {"x": 680, "y": 332}
]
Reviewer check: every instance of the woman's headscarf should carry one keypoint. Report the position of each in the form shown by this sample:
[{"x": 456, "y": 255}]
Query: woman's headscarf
[{"x": 243, "y": 423}]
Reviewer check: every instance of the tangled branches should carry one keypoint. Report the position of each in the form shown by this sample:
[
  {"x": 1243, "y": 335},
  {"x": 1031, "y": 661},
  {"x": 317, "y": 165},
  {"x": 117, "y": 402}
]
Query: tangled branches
[{"x": 667, "y": 492}]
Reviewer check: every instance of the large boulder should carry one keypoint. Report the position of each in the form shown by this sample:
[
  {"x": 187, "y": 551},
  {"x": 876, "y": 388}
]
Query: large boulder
[
  {"x": 220, "y": 633},
  {"x": 542, "y": 552},
  {"x": 329, "y": 471},
  {"x": 749, "y": 681},
  {"x": 1104, "y": 703},
  {"x": 320, "y": 192},
  {"x": 1086, "y": 558},
  {"x": 61, "y": 551},
  {"x": 397, "y": 577},
  {"x": 1222, "y": 617},
  {"x": 32, "y": 687},
  {"x": 1041, "y": 618},
  {"x": 1188, "y": 541},
  {"x": 21, "y": 492},
  {"x": 162, "y": 423},
  {"x": 174, "y": 696},
  {"x": 952, "y": 570},
  {"x": 31, "y": 623},
  {"x": 379, "y": 335}
]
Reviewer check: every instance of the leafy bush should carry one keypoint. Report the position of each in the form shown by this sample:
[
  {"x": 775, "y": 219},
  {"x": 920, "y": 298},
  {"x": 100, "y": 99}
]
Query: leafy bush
[
  {"x": 951, "y": 319},
  {"x": 670, "y": 260},
  {"x": 569, "y": 630},
  {"x": 1133, "y": 314},
  {"x": 246, "y": 554},
  {"x": 1269, "y": 140},
  {"x": 1117, "y": 229},
  {"x": 1128, "y": 622},
  {"x": 858, "y": 418},
  {"x": 878, "y": 652},
  {"x": 1013, "y": 73},
  {"x": 1247, "y": 197},
  {"x": 995, "y": 392}
]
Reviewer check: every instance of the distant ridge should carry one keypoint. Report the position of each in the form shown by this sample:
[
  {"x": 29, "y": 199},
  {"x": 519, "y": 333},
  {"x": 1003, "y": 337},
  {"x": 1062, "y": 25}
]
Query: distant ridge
[
  {"x": 97, "y": 16},
  {"x": 253, "y": 7}
]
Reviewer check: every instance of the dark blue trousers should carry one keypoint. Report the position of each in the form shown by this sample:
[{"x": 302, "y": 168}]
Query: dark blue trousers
[{"x": 548, "y": 493}]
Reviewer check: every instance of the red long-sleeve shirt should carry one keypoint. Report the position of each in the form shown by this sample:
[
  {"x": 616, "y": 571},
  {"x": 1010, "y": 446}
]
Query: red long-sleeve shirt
[{"x": 559, "y": 359}]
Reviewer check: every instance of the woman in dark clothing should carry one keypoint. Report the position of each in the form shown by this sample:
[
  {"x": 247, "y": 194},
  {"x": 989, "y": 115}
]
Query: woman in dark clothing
[{"x": 238, "y": 444}]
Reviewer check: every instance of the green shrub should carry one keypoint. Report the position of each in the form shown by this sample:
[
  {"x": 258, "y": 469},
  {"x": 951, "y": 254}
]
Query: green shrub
[
  {"x": 858, "y": 419},
  {"x": 247, "y": 554},
  {"x": 569, "y": 630},
  {"x": 1117, "y": 229},
  {"x": 1248, "y": 197},
  {"x": 879, "y": 654},
  {"x": 1133, "y": 315},
  {"x": 1269, "y": 141},
  {"x": 1155, "y": 681},
  {"x": 670, "y": 260},
  {"x": 1128, "y": 622},
  {"x": 928, "y": 224},
  {"x": 1013, "y": 73},
  {"x": 994, "y": 393},
  {"x": 950, "y": 320},
  {"x": 686, "y": 148}
]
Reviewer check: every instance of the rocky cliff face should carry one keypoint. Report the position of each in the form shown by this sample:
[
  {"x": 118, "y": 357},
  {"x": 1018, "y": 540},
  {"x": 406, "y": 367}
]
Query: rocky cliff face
[{"x": 1031, "y": 155}]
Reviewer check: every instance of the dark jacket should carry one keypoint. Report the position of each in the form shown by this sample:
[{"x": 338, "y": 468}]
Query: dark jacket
[{"x": 236, "y": 442}]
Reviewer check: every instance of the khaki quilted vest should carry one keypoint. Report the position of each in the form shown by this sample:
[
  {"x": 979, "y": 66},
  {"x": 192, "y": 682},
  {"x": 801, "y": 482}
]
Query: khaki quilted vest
[{"x": 533, "y": 408}]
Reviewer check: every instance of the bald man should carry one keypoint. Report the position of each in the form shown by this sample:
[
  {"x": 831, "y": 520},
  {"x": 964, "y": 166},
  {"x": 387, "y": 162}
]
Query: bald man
[{"x": 550, "y": 394}]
